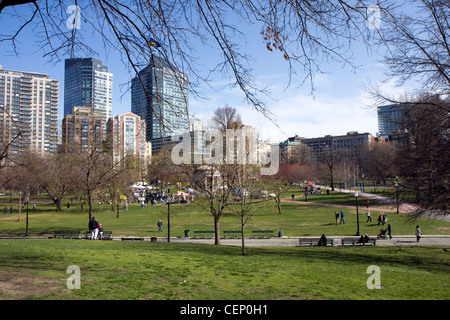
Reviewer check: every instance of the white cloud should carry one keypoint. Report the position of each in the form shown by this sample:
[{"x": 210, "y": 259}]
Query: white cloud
[{"x": 341, "y": 103}]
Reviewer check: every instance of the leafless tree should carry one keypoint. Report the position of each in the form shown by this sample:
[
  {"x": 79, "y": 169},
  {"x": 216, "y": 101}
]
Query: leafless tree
[
  {"x": 304, "y": 33},
  {"x": 328, "y": 162},
  {"x": 11, "y": 135},
  {"x": 423, "y": 160},
  {"x": 378, "y": 162},
  {"x": 419, "y": 44},
  {"x": 214, "y": 184},
  {"x": 120, "y": 178},
  {"x": 419, "y": 50},
  {"x": 226, "y": 117},
  {"x": 56, "y": 176},
  {"x": 242, "y": 204}
]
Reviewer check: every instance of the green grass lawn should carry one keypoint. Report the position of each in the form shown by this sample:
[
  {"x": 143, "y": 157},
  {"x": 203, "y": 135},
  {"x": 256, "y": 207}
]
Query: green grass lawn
[
  {"x": 154, "y": 270},
  {"x": 297, "y": 219},
  {"x": 36, "y": 268}
]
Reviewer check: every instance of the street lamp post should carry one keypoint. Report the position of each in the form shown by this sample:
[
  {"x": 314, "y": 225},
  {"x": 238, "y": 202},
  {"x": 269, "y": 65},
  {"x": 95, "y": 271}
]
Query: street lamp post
[
  {"x": 20, "y": 205},
  {"x": 118, "y": 205},
  {"x": 357, "y": 215},
  {"x": 168, "y": 219},
  {"x": 26, "y": 232},
  {"x": 396, "y": 186}
]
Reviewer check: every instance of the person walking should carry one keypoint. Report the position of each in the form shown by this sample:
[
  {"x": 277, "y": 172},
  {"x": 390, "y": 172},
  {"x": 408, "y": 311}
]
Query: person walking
[
  {"x": 369, "y": 219},
  {"x": 418, "y": 233},
  {"x": 159, "y": 224},
  {"x": 93, "y": 228},
  {"x": 389, "y": 230},
  {"x": 336, "y": 216},
  {"x": 380, "y": 218},
  {"x": 342, "y": 217}
]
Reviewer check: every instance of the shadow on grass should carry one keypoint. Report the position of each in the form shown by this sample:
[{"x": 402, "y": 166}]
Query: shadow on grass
[{"x": 425, "y": 258}]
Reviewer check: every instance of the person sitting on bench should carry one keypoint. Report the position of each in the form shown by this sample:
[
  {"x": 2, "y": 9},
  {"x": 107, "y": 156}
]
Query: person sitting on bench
[
  {"x": 364, "y": 239},
  {"x": 322, "y": 241}
]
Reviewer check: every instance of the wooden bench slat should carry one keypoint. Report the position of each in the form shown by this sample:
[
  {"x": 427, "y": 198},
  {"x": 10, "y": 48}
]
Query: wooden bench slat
[
  {"x": 235, "y": 233},
  {"x": 66, "y": 234},
  {"x": 313, "y": 242},
  {"x": 263, "y": 233},
  {"x": 354, "y": 241},
  {"x": 204, "y": 233}
]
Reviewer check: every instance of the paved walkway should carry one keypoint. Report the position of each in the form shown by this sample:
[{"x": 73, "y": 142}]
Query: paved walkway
[{"x": 426, "y": 240}]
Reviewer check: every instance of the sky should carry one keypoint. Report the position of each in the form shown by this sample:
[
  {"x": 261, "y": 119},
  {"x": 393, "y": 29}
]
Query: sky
[{"x": 340, "y": 102}]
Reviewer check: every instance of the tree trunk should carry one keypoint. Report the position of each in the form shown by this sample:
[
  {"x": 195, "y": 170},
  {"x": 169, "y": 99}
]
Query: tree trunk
[
  {"x": 58, "y": 204},
  {"x": 243, "y": 241},
  {"x": 90, "y": 206},
  {"x": 216, "y": 230}
]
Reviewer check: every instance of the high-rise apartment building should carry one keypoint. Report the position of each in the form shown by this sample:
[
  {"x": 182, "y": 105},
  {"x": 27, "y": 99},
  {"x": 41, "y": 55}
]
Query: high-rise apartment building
[
  {"x": 159, "y": 94},
  {"x": 82, "y": 130},
  {"x": 389, "y": 119},
  {"x": 126, "y": 136},
  {"x": 87, "y": 82},
  {"x": 28, "y": 112}
]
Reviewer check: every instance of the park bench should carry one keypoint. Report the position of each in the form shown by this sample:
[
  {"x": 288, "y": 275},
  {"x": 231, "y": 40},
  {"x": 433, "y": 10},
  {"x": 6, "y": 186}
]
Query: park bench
[
  {"x": 132, "y": 239},
  {"x": 233, "y": 234},
  {"x": 58, "y": 234},
  {"x": 354, "y": 241},
  {"x": 107, "y": 235},
  {"x": 203, "y": 234},
  {"x": 311, "y": 242},
  {"x": 87, "y": 235},
  {"x": 66, "y": 234},
  {"x": 262, "y": 233}
]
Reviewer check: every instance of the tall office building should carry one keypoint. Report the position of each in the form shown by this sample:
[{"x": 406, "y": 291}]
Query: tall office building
[
  {"x": 126, "y": 136},
  {"x": 159, "y": 94},
  {"x": 87, "y": 82},
  {"x": 28, "y": 112},
  {"x": 389, "y": 120}
]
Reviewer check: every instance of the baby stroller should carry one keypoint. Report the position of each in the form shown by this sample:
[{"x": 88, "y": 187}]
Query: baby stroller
[{"x": 382, "y": 234}]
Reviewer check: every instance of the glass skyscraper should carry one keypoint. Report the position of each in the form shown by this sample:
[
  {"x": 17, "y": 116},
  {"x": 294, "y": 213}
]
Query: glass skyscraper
[
  {"x": 389, "y": 119},
  {"x": 159, "y": 94},
  {"x": 87, "y": 82}
]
